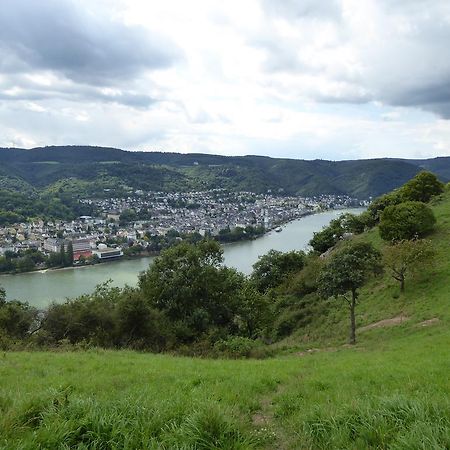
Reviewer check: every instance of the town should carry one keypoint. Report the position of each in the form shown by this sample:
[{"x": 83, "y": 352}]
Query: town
[{"x": 146, "y": 222}]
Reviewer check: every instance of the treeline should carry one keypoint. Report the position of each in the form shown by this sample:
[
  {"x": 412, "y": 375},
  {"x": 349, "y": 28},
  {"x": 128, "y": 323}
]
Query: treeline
[
  {"x": 17, "y": 207},
  {"x": 240, "y": 233},
  {"x": 188, "y": 302},
  {"x": 30, "y": 259}
]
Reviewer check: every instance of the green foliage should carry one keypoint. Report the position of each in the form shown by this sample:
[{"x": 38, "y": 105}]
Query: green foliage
[
  {"x": 69, "y": 254},
  {"x": 16, "y": 318},
  {"x": 348, "y": 269},
  {"x": 407, "y": 257},
  {"x": 353, "y": 223},
  {"x": 92, "y": 170},
  {"x": 346, "y": 272},
  {"x": 127, "y": 216},
  {"x": 307, "y": 280},
  {"x": 422, "y": 188},
  {"x": 139, "y": 325},
  {"x": 326, "y": 239},
  {"x": 272, "y": 268},
  {"x": 406, "y": 220},
  {"x": 235, "y": 346},
  {"x": 254, "y": 311},
  {"x": 377, "y": 207},
  {"x": 239, "y": 233},
  {"x": 189, "y": 284}
]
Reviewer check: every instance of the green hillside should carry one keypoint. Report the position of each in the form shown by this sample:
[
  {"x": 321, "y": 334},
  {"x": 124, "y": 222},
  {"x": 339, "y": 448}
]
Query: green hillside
[
  {"x": 389, "y": 391},
  {"x": 41, "y": 168}
]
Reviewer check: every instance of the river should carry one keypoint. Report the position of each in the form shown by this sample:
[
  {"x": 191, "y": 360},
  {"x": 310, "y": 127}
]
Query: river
[{"x": 41, "y": 288}]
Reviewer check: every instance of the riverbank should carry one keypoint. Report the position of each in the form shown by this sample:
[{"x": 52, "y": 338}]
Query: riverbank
[
  {"x": 145, "y": 254},
  {"x": 40, "y": 289}
]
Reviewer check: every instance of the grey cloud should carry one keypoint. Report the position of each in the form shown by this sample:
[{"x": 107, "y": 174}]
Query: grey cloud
[
  {"x": 75, "y": 93},
  {"x": 405, "y": 64},
  {"x": 430, "y": 97},
  {"x": 59, "y": 35}
]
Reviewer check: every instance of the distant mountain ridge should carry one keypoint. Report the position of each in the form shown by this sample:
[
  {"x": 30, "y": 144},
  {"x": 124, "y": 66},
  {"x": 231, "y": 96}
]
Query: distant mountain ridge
[{"x": 62, "y": 167}]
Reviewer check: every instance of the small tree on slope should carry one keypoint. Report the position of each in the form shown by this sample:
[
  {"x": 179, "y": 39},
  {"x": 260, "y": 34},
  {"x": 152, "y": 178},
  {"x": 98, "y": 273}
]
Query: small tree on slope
[
  {"x": 346, "y": 272},
  {"x": 408, "y": 257}
]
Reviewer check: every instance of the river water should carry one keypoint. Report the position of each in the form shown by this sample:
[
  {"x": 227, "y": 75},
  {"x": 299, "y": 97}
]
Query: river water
[{"x": 39, "y": 288}]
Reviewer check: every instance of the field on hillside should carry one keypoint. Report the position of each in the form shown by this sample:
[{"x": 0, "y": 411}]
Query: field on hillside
[
  {"x": 390, "y": 391},
  {"x": 394, "y": 397}
]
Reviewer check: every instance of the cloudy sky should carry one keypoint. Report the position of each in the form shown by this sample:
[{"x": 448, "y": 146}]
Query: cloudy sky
[{"x": 332, "y": 79}]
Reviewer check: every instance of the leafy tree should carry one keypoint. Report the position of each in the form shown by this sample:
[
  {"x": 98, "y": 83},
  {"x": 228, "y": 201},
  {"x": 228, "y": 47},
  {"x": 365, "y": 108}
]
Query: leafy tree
[
  {"x": 406, "y": 220},
  {"x": 190, "y": 285},
  {"x": 69, "y": 254},
  {"x": 87, "y": 318},
  {"x": 422, "y": 187},
  {"x": 328, "y": 237},
  {"x": 138, "y": 324},
  {"x": 407, "y": 257},
  {"x": 377, "y": 207},
  {"x": 254, "y": 311},
  {"x": 127, "y": 216},
  {"x": 25, "y": 264},
  {"x": 7, "y": 264},
  {"x": 346, "y": 272},
  {"x": 62, "y": 255},
  {"x": 16, "y": 318},
  {"x": 272, "y": 268},
  {"x": 2, "y": 296},
  {"x": 352, "y": 223}
]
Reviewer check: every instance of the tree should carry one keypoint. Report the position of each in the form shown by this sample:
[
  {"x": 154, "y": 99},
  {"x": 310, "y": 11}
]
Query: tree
[
  {"x": 254, "y": 310},
  {"x": 407, "y": 257},
  {"x": 138, "y": 324},
  {"x": 16, "y": 318},
  {"x": 346, "y": 272},
  {"x": 69, "y": 254},
  {"x": 2, "y": 296},
  {"x": 352, "y": 223},
  {"x": 328, "y": 237},
  {"x": 189, "y": 284},
  {"x": 406, "y": 220},
  {"x": 422, "y": 187},
  {"x": 25, "y": 264},
  {"x": 62, "y": 255},
  {"x": 272, "y": 268},
  {"x": 377, "y": 207}
]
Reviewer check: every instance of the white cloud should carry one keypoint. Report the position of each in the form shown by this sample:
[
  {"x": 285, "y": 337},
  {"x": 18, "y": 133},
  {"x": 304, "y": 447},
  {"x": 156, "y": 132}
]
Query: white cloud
[{"x": 333, "y": 79}]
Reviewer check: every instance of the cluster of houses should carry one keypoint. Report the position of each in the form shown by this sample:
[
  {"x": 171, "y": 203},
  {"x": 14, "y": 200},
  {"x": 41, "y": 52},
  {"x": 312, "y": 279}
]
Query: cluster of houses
[{"x": 155, "y": 213}]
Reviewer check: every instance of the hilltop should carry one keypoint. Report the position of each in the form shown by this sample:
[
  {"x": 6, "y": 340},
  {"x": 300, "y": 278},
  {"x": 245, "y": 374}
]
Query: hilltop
[
  {"x": 389, "y": 391},
  {"x": 97, "y": 168}
]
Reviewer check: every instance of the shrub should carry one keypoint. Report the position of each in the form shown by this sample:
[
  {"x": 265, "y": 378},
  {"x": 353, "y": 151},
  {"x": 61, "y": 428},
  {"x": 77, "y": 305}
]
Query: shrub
[
  {"x": 236, "y": 347},
  {"x": 407, "y": 220},
  {"x": 422, "y": 187}
]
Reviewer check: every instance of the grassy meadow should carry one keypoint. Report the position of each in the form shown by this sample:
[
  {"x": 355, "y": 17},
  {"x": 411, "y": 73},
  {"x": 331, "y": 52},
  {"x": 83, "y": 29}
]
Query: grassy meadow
[{"x": 390, "y": 391}]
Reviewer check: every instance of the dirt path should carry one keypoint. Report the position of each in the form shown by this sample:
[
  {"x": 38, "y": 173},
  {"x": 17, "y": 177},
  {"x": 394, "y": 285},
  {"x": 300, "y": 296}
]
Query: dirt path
[
  {"x": 264, "y": 421},
  {"x": 385, "y": 323}
]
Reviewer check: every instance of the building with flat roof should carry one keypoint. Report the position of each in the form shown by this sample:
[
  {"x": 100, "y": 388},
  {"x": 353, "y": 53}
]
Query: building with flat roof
[{"x": 108, "y": 253}]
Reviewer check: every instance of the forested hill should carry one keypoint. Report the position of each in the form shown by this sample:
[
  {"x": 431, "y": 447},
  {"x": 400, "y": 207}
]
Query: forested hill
[{"x": 91, "y": 169}]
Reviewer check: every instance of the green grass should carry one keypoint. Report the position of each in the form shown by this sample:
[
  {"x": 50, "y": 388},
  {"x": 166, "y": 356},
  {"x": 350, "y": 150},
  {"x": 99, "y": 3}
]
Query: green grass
[
  {"x": 393, "y": 397},
  {"x": 390, "y": 391}
]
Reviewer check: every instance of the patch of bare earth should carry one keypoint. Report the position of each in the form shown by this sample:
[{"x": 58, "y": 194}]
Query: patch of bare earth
[
  {"x": 385, "y": 323},
  {"x": 429, "y": 322}
]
